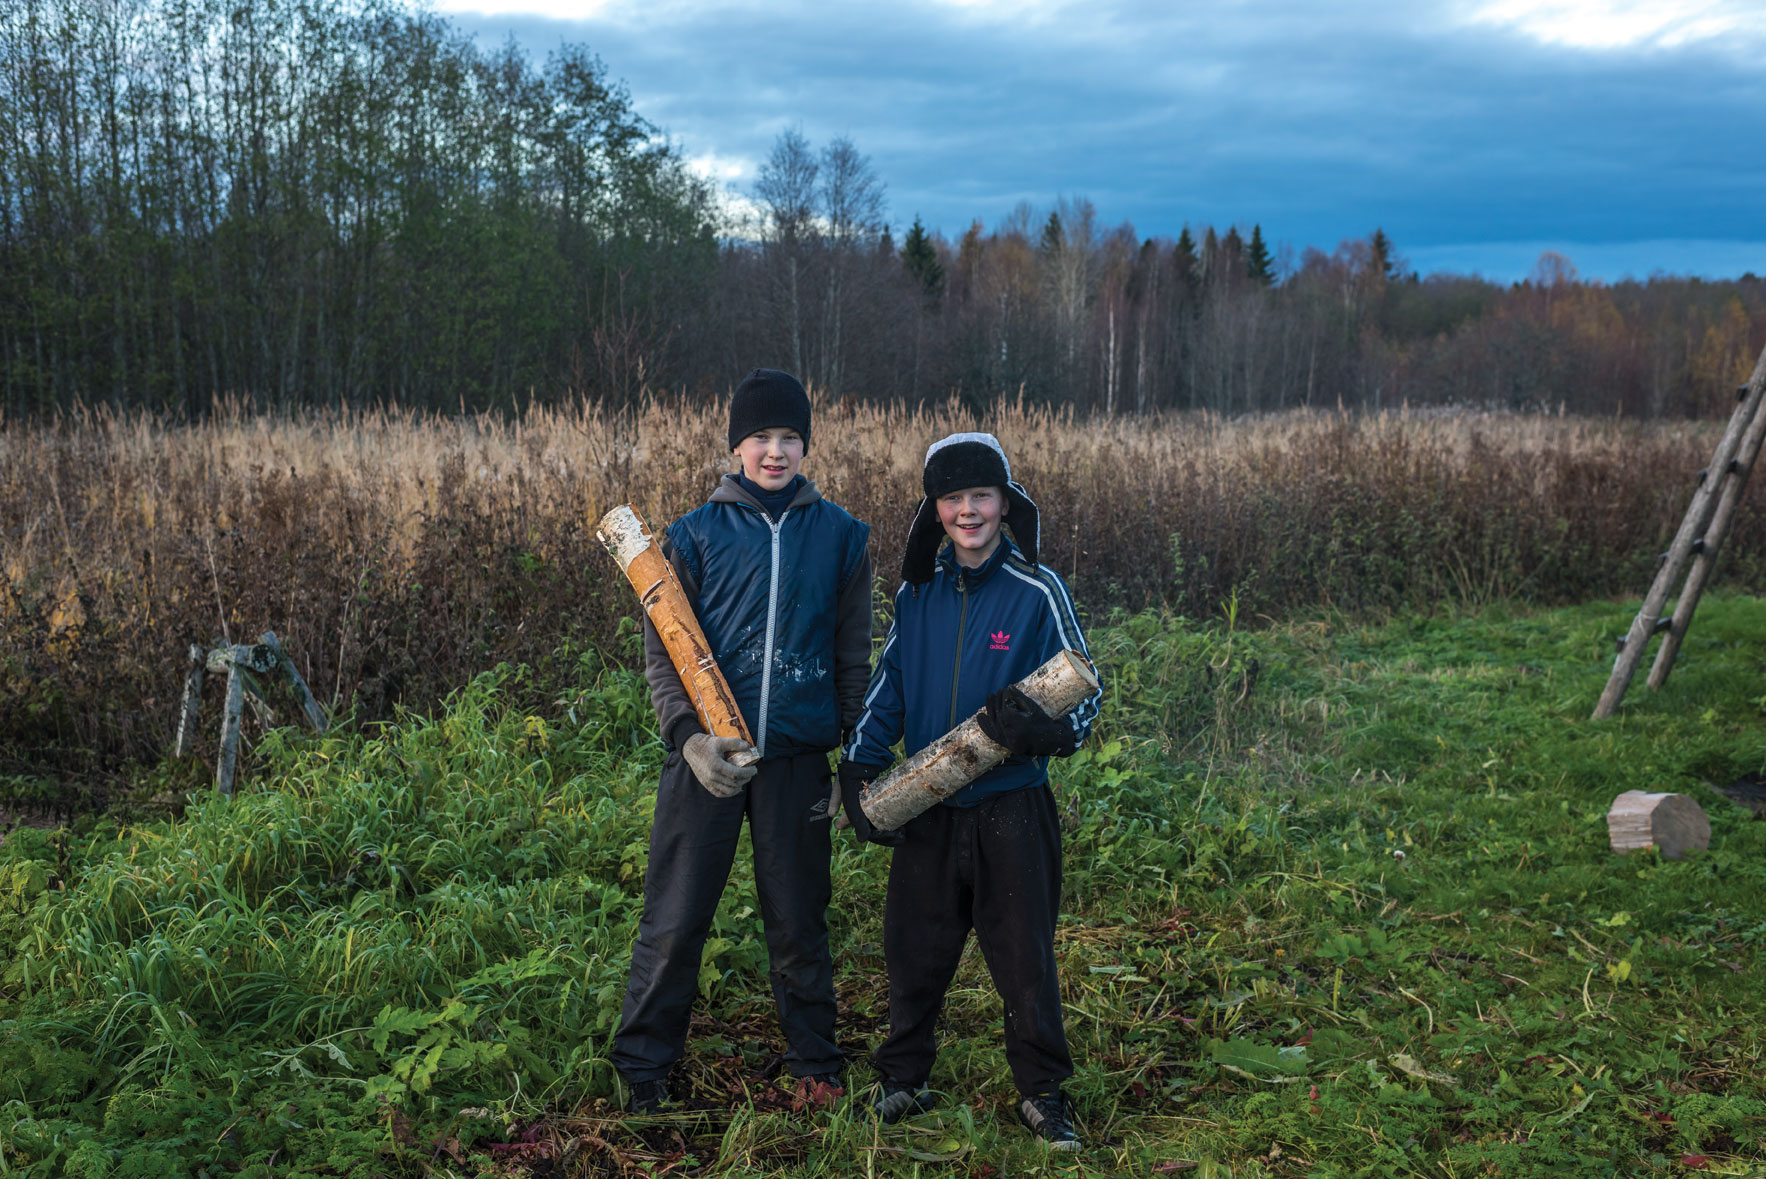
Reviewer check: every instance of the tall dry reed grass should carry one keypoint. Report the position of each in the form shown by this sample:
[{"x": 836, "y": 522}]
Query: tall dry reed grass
[{"x": 397, "y": 554}]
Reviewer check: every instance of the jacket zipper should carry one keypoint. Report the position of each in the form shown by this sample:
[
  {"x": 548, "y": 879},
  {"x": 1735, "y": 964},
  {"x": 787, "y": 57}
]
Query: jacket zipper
[
  {"x": 957, "y": 666},
  {"x": 772, "y": 615}
]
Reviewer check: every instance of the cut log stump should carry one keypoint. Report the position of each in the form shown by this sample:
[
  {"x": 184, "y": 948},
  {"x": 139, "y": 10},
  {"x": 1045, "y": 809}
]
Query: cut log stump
[{"x": 1673, "y": 824}]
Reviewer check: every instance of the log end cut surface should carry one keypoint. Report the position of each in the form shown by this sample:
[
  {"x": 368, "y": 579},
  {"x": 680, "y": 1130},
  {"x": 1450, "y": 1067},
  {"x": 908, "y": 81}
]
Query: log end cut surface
[
  {"x": 623, "y": 533},
  {"x": 1673, "y": 824}
]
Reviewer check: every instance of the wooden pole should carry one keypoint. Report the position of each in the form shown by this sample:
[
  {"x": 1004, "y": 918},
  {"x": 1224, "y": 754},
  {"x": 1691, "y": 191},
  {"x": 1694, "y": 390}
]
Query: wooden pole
[
  {"x": 229, "y": 755},
  {"x": 1698, "y": 515},
  {"x": 965, "y": 753},
  {"x": 314, "y": 713},
  {"x": 659, "y": 591},
  {"x": 1706, "y": 560},
  {"x": 254, "y": 695},
  {"x": 192, "y": 702}
]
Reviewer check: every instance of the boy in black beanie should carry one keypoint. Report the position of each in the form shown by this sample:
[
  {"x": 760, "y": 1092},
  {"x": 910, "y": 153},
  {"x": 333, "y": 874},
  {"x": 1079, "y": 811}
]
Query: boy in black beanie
[
  {"x": 780, "y": 580},
  {"x": 975, "y": 614}
]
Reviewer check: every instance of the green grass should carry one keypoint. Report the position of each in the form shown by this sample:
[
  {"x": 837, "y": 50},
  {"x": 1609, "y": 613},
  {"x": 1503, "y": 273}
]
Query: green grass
[{"x": 402, "y": 951}]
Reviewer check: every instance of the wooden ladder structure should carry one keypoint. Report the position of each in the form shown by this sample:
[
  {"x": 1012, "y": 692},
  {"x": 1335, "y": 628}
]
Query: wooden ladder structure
[
  {"x": 241, "y": 663},
  {"x": 1701, "y": 535}
]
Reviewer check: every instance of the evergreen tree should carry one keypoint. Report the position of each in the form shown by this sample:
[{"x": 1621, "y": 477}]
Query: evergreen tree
[
  {"x": 920, "y": 258},
  {"x": 1384, "y": 258},
  {"x": 1183, "y": 257},
  {"x": 1051, "y": 234},
  {"x": 1257, "y": 260},
  {"x": 1232, "y": 256},
  {"x": 1139, "y": 278}
]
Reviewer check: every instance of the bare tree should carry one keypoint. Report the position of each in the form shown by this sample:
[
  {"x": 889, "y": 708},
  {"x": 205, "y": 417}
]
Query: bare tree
[
  {"x": 1070, "y": 266},
  {"x": 852, "y": 207},
  {"x": 787, "y": 187}
]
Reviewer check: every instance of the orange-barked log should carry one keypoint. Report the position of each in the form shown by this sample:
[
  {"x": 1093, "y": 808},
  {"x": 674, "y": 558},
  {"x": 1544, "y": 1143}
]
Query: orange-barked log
[{"x": 663, "y": 599}]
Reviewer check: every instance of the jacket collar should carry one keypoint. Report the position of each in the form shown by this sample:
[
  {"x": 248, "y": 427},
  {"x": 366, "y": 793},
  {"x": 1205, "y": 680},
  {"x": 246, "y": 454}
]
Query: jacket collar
[
  {"x": 947, "y": 562},
  {"x": 729, "y": 490}
]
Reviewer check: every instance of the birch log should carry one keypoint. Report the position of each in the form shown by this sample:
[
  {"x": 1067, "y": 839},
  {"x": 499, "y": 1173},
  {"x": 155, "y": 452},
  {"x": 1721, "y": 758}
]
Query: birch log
[
  {"x": 965, "y": 753},
  {"x": 1673, "y": 824},
  {"x": 659, "y": 591}
]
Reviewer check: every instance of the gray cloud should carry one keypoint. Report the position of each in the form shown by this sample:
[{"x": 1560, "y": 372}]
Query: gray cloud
[{"x": 1319, "y": 122}]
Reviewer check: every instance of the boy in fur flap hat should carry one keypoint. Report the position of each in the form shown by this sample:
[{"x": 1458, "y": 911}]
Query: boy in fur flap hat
[
  {"x": 780, "y": 580},
  {"x": 975, "y": 614}
]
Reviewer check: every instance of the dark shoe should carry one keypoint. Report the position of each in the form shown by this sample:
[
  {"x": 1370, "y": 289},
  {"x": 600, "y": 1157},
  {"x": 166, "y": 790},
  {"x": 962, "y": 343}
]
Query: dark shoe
[
  {"x": 1048, "y": 1116},
  {"x": 819, "y": 1091},
  {"x": 896, "y": 1100},
  {"x": 648, "y": 1097}
]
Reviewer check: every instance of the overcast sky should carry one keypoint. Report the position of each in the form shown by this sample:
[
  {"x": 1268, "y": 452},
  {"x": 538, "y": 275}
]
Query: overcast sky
[{"x": 1628, "y": 134}]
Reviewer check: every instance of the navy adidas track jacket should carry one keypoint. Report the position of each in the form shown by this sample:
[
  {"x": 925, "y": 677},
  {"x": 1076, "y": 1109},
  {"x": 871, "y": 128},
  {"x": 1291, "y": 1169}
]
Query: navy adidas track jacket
[{"x": 957, "y": 639}]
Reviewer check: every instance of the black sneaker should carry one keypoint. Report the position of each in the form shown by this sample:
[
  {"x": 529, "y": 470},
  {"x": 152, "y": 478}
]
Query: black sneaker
[
  {"x": 897, "y": 1099},
  {"x": 648, "y": 1097},
  {"x": 1048, "y": 1116}
]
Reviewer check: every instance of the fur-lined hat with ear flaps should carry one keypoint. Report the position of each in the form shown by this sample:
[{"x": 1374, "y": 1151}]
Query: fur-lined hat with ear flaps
[{"x": 953, "y": 463}]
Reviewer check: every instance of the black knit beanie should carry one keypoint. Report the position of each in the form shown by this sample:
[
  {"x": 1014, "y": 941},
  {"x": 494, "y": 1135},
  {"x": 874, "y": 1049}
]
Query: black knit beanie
[
  {"x": 967, "y": 463},
  {"x": 954, "y": 462},
  {"x": 767, "y": 398}
]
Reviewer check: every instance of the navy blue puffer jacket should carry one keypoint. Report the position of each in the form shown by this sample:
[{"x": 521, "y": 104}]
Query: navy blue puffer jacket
[{"x": 774, "y": 599}]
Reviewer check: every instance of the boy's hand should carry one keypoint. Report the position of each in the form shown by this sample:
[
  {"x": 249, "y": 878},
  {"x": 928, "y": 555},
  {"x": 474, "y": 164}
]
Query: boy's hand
[
  {"x": 706, "y": 755},
  {"x": 1016, "y": 721},
  {"x": 852, "y": 780}
]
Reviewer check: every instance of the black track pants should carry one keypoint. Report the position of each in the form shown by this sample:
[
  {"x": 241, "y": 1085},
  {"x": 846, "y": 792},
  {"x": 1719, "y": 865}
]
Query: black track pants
[
  {"x": 692, "y": 845},
  {"x": 995, "y": 868}
]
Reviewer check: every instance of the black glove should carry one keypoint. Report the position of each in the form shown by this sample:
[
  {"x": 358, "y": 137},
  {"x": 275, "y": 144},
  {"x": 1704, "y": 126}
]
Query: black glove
[
  {"x": 852, "y": 779},
  {"x": 1016, "y": 721}
]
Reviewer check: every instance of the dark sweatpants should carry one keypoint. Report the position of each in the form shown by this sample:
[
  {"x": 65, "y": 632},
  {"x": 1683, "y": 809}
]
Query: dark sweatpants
[
  {"x": 692, "y": 845},
  {"x": 995, "y": 868}
]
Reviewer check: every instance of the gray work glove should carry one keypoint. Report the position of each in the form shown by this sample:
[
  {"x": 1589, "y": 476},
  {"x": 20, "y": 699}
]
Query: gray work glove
[{"x": 706, "y": 755}]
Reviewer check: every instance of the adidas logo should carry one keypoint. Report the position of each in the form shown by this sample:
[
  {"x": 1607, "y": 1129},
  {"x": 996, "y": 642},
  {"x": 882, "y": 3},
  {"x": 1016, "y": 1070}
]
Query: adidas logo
[{"x": 1001, "y": 641}]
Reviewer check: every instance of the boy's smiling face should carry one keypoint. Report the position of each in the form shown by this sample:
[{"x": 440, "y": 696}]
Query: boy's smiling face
[
  {"x": 770, "y": 457},
  {"x": 971, "y": 518}
]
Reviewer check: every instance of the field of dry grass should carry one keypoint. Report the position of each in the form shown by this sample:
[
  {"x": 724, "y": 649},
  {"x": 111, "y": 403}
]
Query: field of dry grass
[{"x": 396, "y": 555}]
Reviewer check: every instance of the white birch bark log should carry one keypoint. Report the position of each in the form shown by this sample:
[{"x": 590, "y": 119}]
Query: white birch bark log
[{"x": 965, "y": 753}]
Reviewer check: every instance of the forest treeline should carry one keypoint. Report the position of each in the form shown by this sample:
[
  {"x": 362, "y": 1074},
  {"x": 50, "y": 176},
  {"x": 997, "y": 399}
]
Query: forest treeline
[{"x": 340, "y": 203}]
